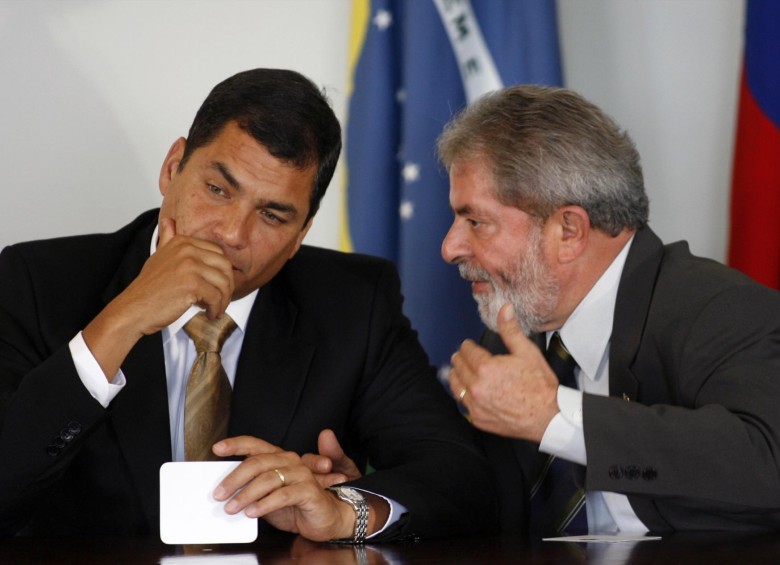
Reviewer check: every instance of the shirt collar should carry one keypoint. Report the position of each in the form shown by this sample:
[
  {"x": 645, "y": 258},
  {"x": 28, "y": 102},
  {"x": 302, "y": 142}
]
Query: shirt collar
[
  {"x": 587, "y": 331},
  {"x": 239, "y": 309}
]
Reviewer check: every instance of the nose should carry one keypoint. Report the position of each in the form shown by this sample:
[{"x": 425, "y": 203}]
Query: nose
[
  {"x": 232, "y": 228},
  {"x": 454, "y": 247}
]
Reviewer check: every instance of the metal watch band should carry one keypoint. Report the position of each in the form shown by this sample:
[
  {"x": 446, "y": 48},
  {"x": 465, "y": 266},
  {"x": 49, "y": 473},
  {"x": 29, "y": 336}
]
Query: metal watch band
[{"x": 358, "y": 502}]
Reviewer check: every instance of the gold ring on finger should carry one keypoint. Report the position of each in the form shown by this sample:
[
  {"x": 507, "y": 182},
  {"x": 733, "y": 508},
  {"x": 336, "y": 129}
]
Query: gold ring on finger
[
  {"x": 281, "y": 476},
  {"x": 462, "y": 395}
]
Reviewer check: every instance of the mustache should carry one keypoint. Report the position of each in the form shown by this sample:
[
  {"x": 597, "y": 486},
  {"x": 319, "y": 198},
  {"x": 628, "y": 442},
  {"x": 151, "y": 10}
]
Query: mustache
[{"x": 473, "y": 273}]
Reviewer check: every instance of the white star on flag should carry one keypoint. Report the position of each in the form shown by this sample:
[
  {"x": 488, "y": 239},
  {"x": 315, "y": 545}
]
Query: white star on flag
[
  {"x": 411, "y": 172},
  {"x": 406, "y": 210},
  {"x": 383, "y": 20}
]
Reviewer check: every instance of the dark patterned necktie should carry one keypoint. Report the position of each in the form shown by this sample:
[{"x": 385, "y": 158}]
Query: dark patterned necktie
[
  {"x": 558, "y": 495},
  {"x": 208, "y": 397}
]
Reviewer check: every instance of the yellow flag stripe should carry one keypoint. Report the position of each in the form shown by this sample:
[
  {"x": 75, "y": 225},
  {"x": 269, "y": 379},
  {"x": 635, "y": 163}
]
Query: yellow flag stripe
[{"x": 358, "y": 31}]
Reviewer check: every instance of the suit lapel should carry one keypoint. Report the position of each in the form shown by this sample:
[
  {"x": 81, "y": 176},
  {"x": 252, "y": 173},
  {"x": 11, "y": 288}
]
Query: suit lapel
[
  {"x": 272, "y": 368},
  {"x": 631, "y": 309},
  {"x": 139, "y": 414},
  {"x": 136, "y": 254}
]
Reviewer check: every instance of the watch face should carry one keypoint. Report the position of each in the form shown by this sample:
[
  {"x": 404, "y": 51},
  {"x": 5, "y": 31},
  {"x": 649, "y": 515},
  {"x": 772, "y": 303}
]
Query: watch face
[{"x": 350, "y": 494}]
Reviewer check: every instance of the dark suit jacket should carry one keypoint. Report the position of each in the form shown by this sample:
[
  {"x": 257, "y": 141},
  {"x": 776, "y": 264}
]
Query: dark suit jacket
[
  {"x": 691, "y": 428},
  {"x": 326, "y": 346}
]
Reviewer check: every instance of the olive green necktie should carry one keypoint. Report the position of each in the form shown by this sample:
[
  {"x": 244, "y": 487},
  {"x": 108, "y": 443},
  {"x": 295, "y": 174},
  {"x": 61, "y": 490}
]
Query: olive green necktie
[{"x": 207, "y": 401}]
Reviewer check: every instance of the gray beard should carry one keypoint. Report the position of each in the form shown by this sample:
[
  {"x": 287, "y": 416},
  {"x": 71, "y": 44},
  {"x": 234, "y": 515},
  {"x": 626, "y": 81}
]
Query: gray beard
[{"x": 528, "y": 286}]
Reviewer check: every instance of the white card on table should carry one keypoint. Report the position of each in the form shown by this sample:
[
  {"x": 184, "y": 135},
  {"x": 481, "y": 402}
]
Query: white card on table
[{"x": 188, "y": 512}]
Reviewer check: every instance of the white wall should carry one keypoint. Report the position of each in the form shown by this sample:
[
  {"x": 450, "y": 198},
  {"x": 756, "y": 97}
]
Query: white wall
[
  {"x": 94, "y": 92},
  {"x": 668, "y": 72}
]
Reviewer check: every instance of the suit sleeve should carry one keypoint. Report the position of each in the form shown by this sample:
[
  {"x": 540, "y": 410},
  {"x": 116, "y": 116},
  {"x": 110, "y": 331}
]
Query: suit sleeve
[
  {"x": 423, "y": 450},
  {"x": 45, "y": 411},
  {"x": 709, "y": 456}
]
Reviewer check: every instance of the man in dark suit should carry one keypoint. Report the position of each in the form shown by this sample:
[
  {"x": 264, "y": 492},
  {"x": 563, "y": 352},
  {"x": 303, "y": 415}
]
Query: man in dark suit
[
  {"x": 94, "y": 356},
  {"x": 671, "y": 421}
]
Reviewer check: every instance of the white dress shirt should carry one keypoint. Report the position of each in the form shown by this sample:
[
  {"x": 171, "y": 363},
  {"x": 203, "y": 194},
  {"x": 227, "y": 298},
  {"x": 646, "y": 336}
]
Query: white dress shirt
[{"x": 586, "y": 335}]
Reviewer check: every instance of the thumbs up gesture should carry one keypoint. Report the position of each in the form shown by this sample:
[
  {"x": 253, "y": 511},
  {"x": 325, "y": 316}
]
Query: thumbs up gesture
[{"x": 513, "y": 395}]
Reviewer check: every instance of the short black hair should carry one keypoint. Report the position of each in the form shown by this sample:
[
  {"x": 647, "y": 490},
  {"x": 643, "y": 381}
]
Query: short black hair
[{"x": 283, "y": 111}]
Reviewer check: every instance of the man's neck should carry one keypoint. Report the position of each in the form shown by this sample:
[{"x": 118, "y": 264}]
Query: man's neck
[{"x": 590, "y": 266}]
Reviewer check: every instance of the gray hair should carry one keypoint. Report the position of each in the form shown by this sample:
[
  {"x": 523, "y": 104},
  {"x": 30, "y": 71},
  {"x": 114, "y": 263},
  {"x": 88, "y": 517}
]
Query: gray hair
[{"x": 549, "y": 147}]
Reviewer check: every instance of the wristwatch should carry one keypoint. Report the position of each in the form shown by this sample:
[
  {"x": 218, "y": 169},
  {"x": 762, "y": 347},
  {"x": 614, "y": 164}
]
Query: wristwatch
[{"x": 358, "y": 502}]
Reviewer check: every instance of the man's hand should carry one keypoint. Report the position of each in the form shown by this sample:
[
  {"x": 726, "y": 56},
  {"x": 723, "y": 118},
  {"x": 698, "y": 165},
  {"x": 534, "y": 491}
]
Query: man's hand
[
  {"x": 277, "y": 486},
  {"x": 331, "y": 466},
  {"x": 182, "y": 272},
  {"x": 512, "y": 395}
]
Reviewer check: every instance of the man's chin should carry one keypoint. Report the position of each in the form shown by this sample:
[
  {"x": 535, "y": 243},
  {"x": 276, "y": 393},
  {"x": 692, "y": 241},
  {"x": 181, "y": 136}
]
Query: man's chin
[{"x": 488, "y": 317}]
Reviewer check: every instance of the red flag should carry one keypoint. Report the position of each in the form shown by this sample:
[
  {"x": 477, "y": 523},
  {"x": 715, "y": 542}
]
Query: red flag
[{"x": 754, "y": 245}]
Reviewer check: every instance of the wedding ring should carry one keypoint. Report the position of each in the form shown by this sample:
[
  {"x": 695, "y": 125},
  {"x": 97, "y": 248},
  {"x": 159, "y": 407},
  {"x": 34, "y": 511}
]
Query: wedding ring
[
  {"x": 462, "y": 395},
  {"x": 281, "y": 476}
]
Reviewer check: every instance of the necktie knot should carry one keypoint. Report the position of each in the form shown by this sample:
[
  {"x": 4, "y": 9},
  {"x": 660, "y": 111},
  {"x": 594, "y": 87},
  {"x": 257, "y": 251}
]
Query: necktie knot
[
  {"x": 556, "y": 347},
  {"x": 209, "y": 335},
  {"x": 561, "y": 361}
]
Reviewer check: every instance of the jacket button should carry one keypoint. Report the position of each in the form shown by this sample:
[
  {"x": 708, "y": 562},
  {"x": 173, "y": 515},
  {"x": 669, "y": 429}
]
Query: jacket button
[
  {"x": 649, "y": 473},
  {"x": 53, "y": 450},
  {"x": 74, "y": 427},
  {"x": 632, "y": 472}
]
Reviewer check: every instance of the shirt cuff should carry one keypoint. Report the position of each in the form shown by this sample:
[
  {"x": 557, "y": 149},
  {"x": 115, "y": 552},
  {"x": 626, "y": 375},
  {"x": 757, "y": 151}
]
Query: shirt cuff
[
  {"x": 564, "y": 436},
  {"x": 396, "y": 511},
  {"x": 92, "y": 375},
  {"x": 623, "y": 514}
]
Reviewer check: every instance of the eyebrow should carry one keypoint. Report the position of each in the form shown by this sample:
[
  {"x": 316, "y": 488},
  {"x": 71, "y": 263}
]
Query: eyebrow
[
  {"x": 289, "y": 209},
  {"x": 225, "y": 172}
]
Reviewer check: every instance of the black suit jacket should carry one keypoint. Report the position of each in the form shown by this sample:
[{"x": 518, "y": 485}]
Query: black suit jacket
[
  {"x": 691, "y": 428},
  {"x": 326, "y": 346}
]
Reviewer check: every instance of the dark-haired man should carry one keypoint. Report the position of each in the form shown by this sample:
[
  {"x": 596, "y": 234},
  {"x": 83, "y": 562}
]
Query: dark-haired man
[{"x": 95, "y": 350}]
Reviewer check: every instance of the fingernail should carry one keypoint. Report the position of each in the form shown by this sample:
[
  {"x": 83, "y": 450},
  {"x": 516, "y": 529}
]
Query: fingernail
[
  {"x": 220, "y": 492},
  {"x": 231, "y": 507}
]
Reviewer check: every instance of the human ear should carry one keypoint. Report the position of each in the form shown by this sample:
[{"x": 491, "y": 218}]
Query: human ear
[
  {"x": 171, "y": 164},
  {"x": 574, "y": 231}
]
